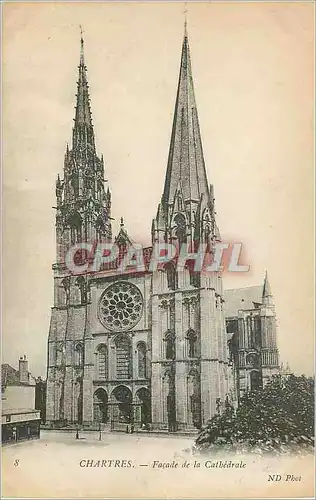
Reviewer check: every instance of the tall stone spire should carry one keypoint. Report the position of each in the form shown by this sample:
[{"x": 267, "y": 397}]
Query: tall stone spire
[
  {"x": 83, "y": 134},
  {"x": 186, "y": 212},
  {"x": 186, "y": 168}
]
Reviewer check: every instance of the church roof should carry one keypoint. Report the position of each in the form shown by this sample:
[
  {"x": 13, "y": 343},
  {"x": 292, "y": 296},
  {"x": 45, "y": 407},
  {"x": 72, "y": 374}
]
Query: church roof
[
  {"x": 241, "y": 298},
  {"x": 186, "y": 169}
]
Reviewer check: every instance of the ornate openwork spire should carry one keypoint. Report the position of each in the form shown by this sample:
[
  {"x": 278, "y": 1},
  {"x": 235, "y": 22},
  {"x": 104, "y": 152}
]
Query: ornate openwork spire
[{"x": 83, "y": 203}]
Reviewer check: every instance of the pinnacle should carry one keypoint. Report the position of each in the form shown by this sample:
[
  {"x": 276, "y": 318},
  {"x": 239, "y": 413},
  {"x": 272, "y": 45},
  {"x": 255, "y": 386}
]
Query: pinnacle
[{"x": 266, "y": 287}]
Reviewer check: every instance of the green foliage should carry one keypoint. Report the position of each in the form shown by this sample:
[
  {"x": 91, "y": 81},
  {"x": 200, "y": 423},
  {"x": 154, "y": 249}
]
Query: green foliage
[{"x": 279, "y": 417}]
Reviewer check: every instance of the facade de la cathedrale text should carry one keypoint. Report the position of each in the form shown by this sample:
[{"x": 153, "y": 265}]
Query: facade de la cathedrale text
[{"x": 163, "y": 348}]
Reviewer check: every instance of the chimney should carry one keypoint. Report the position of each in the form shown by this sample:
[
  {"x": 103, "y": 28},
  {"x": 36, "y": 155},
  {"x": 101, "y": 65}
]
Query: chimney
[{"x": 23, "y": 370}]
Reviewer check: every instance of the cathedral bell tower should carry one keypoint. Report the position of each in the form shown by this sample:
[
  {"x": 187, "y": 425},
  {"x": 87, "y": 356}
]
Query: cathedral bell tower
[
  {"x": 83, "y": 215},
  {"x": 189, "y": 347},
  {"x": 83, "y": 204}
]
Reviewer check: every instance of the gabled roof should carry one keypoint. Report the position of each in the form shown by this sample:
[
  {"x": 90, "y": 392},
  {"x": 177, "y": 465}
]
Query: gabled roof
[
  {"x": 241, "y": 298},
  {"x": 11, "y": 376},
  {"x": 122, "y": 238}
]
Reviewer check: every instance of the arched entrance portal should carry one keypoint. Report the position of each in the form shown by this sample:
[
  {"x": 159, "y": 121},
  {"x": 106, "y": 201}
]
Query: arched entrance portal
[
  {"x": 100, "y": 406},
  {"x": 143, "y": 397},
  {"x": 122, "y": 404}
]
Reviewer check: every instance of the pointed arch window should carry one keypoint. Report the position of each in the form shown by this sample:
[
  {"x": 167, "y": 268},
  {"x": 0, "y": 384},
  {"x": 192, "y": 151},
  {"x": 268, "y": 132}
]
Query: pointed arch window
[
  {"x": 81, "y": 284},
  {"x": 141, "y": 360},
  {"x": 170, "y": 345},
  {"x": 66, "y": 286},
  {"x": 255, "y": 380},
  {"x": 124, "y": 366},
  {"x": 60, "y": 353},
  {"x": 180, "y": 228},
  {"x": 192, "y": 343},
  {"x": 75, "y": 223},
  {"x": 254, "y": 331},
  {"x": 207, "y": 227},
  {"x": 180, "y": 202},
  {"x": 79, "y": 355},
  {"x": 257, "y": 340},
  {"x": 194, "y": 398},
  {"x": 169, "y": 403},
  {"x": 100, "y": 406},
  {"x": 102, "y": 362},
  {"x": 207, "y": 232},
  {"x": 79, "y": 400},
  {"x": 195, "y": 279},
  {"x": 195, "y": 276},
  {"x": 171, "y": 276}
]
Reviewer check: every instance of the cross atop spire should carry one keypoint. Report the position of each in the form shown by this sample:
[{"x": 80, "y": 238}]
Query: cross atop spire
[{"x": 185, "y": 19}]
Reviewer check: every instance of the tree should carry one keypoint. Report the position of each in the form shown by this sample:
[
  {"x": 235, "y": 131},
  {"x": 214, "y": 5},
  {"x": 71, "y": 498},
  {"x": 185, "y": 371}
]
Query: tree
[{"x": 278, "y": 417}]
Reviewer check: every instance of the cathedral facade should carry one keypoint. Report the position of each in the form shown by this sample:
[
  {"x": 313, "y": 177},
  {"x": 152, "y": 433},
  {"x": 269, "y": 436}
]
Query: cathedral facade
[{"x": 160, "y": 346}]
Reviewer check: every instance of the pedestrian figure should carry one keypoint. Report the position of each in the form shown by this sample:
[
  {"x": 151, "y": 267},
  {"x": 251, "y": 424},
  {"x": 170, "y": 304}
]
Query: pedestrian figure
[
  {"x": 127, "y": 429},
  {"x": 77, "y": 433}
]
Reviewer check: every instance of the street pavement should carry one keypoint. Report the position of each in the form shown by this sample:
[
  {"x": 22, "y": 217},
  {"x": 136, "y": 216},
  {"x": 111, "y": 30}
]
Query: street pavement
[{"x": 132, "y": 466}]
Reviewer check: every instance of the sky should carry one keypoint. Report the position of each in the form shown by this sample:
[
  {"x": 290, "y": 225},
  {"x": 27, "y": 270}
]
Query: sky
[{"x": 253, "y": 72}]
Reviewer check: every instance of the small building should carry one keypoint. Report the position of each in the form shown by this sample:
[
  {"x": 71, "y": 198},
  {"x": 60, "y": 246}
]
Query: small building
[
  {"x": 20, "y": 420},
  {"x": 252, "y": 335}
]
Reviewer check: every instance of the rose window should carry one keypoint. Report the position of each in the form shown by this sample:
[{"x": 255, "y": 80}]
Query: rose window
[{"x": 121, "y": 306}]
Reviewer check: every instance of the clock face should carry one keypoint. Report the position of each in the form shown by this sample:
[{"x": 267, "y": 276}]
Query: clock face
[{"x": 121, "y": 306}]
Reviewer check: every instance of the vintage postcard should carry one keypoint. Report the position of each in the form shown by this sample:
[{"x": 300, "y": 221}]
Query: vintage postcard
[{"x": 158, "y": 292}]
